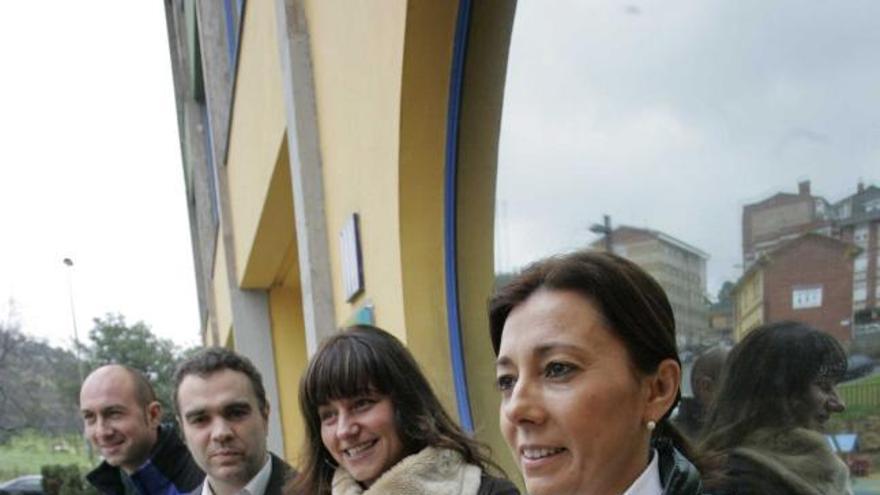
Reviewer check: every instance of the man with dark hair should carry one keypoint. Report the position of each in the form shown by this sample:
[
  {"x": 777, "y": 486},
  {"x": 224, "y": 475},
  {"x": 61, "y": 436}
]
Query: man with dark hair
[
  {"x": 705, "y": 374},
  {"x": 221, "y": 405},
  {"x": 122, "y": 421}
]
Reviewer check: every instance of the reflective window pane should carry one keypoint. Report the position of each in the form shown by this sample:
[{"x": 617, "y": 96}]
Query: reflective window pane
[{"x": 732, "y": 149}]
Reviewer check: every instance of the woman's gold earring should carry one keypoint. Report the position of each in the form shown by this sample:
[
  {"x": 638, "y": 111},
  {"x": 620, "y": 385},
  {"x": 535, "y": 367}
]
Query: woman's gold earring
[{"x": 651, "y": 425}]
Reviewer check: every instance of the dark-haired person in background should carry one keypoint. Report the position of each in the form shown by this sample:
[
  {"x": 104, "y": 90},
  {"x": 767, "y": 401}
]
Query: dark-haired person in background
[
  {"x": 374, "y": 426},
  {"x": 221, "y": 404},
  {"x": 589, "y": 373},
  {"x": 762, "y": 435},
  {"x": 122, "y": 421}
]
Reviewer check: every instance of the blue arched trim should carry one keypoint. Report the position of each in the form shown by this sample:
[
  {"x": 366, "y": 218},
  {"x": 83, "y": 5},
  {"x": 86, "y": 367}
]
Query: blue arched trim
[
  {"x": 231, "y": 32},
  {"x": 456, "y": 347}
]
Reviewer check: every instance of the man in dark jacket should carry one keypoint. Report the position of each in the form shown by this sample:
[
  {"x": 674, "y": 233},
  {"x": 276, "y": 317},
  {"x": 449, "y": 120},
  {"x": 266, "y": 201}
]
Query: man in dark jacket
[
  {"x": 705, "y": 374},
  {"x": 141, "y": 457},
  {"x": 222, "y": 408}
]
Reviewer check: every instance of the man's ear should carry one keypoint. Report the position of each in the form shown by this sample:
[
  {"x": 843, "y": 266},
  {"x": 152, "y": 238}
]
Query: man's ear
[
  {"x": 703, "y": 388},
  {"x": 154, "y": 413},
  {"x": 663, "y": 387}
]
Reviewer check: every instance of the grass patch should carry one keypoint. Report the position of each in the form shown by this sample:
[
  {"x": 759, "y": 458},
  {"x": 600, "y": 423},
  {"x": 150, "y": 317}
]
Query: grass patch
[
  {"x": 862, "y": 397},
  {"x": 27, "y": 452},
  {"x": 868, "y": 380}
]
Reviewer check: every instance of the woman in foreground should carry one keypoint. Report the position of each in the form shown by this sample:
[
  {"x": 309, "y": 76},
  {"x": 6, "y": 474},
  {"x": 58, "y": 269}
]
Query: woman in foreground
[
  {"x": 589, "y": 373},
  {"x": 762, "y": 435},
  {"x": 374, "y": 426}
]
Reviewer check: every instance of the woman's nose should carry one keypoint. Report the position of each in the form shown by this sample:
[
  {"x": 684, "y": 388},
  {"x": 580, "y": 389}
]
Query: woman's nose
[
  {"x": 524, "y": 405},
  {"x": 835, "y": 403},
  {"x": 346, "y": 426}
]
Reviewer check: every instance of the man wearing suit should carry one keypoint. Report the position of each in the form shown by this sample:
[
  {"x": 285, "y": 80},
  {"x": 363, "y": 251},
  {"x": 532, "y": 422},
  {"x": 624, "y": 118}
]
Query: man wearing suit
[{"x": 222, "y": 408}]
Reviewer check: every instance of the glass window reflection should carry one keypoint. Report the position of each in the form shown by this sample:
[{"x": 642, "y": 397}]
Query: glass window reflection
[{"x": 734, "y": 147}]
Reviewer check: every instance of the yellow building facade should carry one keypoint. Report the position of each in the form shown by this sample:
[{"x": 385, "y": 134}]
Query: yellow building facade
[
  {"x": 298, "y": 116},
  {"x": 748, "y": 301}
]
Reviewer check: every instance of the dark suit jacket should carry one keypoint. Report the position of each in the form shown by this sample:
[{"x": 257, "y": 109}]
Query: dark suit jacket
[{"x": 281, "y": 472}]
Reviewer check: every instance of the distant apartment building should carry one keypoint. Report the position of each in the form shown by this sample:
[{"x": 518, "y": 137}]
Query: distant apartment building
[
  {"x": 679, "y": 268},
  {"x": 807, "y": 279},
  {"x": 855, "y": 219},
  {"x": 858, "y": 222}
]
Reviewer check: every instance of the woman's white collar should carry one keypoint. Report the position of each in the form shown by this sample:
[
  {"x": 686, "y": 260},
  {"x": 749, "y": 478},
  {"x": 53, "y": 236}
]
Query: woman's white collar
[{"x": 648, "y": 483}]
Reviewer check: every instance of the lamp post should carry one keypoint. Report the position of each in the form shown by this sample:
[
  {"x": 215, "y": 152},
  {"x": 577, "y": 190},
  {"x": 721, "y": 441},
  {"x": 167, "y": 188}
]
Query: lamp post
[
  {"x": 76, "y": 349},
  {"x": 605, "y": 229},
  {"x": 69, "y": 263}
]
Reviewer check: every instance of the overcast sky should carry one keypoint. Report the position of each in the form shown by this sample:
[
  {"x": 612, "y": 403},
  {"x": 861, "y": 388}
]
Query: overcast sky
[
  {"x": 672, "y": 115},
  {"x": 666, "y": 115},
  {"x": 90, "y": 169}
]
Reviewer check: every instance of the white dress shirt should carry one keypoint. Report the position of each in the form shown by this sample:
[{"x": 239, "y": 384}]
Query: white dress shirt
[
  {"x": 256, "y": 486},
  {"x": 648, "y": 483}
]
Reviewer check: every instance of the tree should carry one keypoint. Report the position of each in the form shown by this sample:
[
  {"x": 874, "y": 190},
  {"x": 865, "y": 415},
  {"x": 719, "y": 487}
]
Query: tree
[
  {"x": 726, "y": 291},
  {"x": 112, "y": 340},
  {"x": 38, "y": 384}
]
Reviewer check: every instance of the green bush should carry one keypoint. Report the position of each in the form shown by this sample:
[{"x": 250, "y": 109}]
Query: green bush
[{"x": 65, "y": 480}]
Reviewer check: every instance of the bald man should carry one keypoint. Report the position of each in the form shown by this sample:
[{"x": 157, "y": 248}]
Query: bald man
[
  {"x": 705, "y": 374},
  {"x": 122, "y": 421}
]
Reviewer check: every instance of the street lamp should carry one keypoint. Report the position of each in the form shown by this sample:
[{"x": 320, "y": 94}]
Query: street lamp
[
  {"x": 69, "y": 263},
  {"x": 604, "y": 229},
  {"x": 76, "y": 349}
]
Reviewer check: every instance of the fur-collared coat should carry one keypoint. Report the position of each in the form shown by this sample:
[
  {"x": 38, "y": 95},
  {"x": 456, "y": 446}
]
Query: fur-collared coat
[
  {"x": 792, "y": 461},
  {"x": 431, "y": 471}
]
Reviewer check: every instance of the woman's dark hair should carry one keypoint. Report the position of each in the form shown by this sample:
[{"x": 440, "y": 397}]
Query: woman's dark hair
[
  {"x": 364, "y": 360},
  {"x": 766, "y": 381},
  {"x": 632, "y": 303}
]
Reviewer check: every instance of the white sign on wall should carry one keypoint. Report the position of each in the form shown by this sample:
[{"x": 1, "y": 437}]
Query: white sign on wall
[
  {"x": 806, "y": 297},
  {"x": 352, "y": 263}
]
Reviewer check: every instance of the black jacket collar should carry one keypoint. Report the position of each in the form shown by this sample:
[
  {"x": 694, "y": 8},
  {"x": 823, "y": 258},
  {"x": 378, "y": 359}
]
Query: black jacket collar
[{"x": 170, "y": 457}]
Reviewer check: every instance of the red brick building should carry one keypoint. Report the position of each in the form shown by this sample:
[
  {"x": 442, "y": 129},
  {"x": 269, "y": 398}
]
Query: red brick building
[
  {"x": 855, "y": 219},
  {"x": 808, "y": 279},
  {"x": 782, "y": 217}
]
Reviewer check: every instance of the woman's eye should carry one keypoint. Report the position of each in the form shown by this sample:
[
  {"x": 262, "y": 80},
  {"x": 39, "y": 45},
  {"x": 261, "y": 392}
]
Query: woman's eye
[
  {"x": 325, "y": 416},
  {"x": 505, "y": 382},
  {"x": 363, "y": 404},
  {"x": 557, "y": 370}
]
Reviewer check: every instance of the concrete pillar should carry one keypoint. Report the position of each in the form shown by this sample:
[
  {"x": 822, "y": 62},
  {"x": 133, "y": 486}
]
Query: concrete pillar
[
  {"x": 250, "y": 308},
  {"x": 306, "y": 172}
]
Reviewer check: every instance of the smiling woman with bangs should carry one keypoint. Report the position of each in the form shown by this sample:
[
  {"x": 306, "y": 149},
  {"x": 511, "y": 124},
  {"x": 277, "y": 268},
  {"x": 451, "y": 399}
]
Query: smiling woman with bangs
[{"x": 374, "y": 426}]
